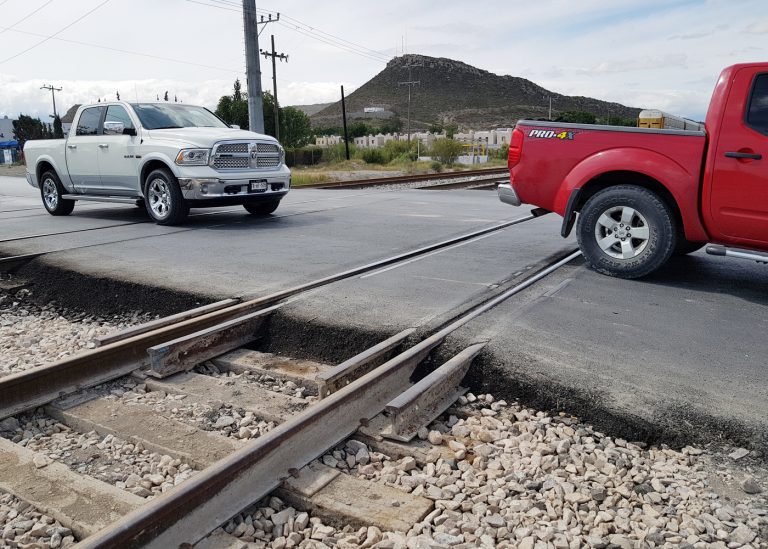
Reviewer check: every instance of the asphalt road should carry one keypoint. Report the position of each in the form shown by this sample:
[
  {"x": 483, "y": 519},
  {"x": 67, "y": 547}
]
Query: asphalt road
[{"x": 678, "y": 356}]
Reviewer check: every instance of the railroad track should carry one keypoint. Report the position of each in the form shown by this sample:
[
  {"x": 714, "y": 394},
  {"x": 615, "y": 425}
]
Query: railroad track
[
  {"x": 415, "y": 178},
  {"x": 369, "y": 397}
]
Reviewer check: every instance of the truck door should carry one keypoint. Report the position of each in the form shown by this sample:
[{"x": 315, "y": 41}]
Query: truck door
[
  {"x": 82, "y": 151},
  {"x": 739, "y": 197},
  {"x": 117, "y": 154}
]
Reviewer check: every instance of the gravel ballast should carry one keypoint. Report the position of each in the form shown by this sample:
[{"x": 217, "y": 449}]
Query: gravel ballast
[
  {"x": 33, "y": 335},
  {"x": 518, "y": 477}
]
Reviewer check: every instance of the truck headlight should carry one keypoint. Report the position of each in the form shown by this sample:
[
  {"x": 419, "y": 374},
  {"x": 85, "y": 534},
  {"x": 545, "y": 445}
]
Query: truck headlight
[{"x": 193, "y": 157}]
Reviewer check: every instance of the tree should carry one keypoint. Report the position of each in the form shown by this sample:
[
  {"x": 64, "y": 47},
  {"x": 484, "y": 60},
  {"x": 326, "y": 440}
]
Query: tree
[
  {"x": 446, "y": 150},
  {"x": 437, "y": 127},
  {"x": 268, "y": 107},
  {"x": 392, "y": 125},
  {"x": 58, "y": 132},
  {"x": 295, "y": 128},
  {"x": 450, "y": 130},
  {"x": 359, "y": 129},
  {"x": 577, "y": 117},
  {"x": 238, "y": 95},
  {"x": 117, "y": 93},
  {"x": 175, "y": 99},
  {"x": 27, "y": 128},
  {"x": 165, "y": 97}
]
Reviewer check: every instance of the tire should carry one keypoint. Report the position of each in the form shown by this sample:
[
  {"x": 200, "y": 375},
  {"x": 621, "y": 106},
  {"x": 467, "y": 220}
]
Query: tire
[
  {"x": 163, "y": 199},
  {"x": 261, "y": 208},
  {"x": 607, "y": 244},
  {"x": 51, "y": 191}
]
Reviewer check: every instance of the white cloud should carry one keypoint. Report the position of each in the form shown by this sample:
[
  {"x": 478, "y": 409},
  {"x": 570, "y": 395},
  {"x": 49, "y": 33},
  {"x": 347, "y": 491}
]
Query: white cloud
[
  {"x": 654, "y": 53},
  {"x": 758, "y": 27}
]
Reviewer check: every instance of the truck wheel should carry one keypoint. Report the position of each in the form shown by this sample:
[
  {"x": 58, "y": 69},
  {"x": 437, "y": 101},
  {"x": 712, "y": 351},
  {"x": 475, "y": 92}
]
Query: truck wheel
[
  {"x": 51, "y": 190},
  {"x": 261, "y": 208},
  {"x": 626, "y": 231},
  {"x": 163, "y": 199}
]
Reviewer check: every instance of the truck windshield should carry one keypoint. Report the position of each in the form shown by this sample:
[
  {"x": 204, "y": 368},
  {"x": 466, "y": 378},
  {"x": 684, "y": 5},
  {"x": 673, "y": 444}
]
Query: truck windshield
[{"x": 155, "y": 116}]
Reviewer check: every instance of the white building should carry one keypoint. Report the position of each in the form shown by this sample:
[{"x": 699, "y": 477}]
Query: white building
[
  {"x": 6, "y": 129},
  {"x": 328, "y": 140},
  {"x": 492, "y": 139}
]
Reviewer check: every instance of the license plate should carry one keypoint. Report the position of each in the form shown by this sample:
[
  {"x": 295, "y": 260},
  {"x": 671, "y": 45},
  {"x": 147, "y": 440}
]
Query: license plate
[{"x": 256, "y": 186}]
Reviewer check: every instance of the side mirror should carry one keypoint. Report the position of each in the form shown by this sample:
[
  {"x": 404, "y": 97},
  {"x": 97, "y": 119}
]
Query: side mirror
[
  {"x": 129, "y": 131},
  {"x": 113, "y": 128},
  {"x": 234, "y": 126}
]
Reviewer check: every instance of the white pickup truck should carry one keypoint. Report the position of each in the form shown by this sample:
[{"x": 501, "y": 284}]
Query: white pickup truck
[{"x": 166, "y": 156}]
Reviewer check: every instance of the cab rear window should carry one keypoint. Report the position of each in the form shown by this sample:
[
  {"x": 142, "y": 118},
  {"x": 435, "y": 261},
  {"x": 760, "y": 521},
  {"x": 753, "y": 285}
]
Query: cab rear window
[
  {"x": 89, "y": 122},
  {"x": 757, "y": 112}
]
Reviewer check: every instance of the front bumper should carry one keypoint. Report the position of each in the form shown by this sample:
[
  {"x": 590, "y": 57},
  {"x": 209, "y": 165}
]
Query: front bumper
[
  {"x": 213, "y": 188},
  {"x": 508, "y": 195}
]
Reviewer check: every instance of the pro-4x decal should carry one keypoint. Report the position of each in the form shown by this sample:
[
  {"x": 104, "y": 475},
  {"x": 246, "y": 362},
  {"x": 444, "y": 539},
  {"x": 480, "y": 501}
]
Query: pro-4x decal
[{"x": 552, "y": 134}]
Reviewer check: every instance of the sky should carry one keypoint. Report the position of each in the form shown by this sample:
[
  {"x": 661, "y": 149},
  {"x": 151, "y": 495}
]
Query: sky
[{"x": 663, "y": 54}]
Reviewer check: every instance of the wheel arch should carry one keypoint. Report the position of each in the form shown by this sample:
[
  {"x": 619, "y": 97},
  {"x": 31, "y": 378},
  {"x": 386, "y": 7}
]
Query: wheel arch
[
  {"x": 647, "y": 169},
  {"x": 45, "y": 163},
  {"x": 151, "y": 164}
]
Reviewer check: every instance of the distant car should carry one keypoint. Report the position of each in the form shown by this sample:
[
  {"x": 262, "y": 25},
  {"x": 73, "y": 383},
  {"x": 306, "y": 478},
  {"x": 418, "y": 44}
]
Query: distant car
[
  {"x": 645, "y": 194},
  {"x": 167, "y": 156}
]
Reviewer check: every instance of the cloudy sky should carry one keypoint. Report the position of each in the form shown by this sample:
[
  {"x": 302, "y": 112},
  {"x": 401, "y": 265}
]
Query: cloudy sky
[{"x": 652, "y": 53}]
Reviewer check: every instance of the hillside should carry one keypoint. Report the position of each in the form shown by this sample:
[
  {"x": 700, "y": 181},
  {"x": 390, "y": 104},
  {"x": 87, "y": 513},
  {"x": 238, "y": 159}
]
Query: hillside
[
  {"x": 454, "y": 92},
  {"x": 311, "y": 109}
]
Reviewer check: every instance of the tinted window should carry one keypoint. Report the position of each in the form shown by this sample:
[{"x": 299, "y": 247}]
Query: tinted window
[
  {"x": 116, "y": 113},
  {"x": 89, "y": 122},
  {"x": 757, "y": 114},
  {"x": 157, "y": 116}
]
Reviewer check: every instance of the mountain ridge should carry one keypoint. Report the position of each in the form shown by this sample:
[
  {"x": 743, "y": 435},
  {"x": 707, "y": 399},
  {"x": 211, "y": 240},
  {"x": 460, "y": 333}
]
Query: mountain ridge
[{"x": 451, "y": 91}]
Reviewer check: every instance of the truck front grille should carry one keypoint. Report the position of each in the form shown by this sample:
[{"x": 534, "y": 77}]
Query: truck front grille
[
  {"x": 246, "y": 155},
  {"x": 231, "y": 162}
]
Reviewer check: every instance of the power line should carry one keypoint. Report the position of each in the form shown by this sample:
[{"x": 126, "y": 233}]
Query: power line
[
  {"x": 129, "y": 52},
  {"x": 410, "y": 83},
  {"x": 33, "y": 12},
  {"x": 311, "y": 28},
  {"x": 53, "y": 91},
  {"x": 44, "y": 40},
  {"x": 309, "y": 31},
  {"x": 282, "y": 57}
]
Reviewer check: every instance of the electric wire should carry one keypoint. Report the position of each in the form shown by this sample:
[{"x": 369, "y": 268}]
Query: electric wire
[
  {"x": 44, "y": 40},
  {"x": 30, "y": 14}
]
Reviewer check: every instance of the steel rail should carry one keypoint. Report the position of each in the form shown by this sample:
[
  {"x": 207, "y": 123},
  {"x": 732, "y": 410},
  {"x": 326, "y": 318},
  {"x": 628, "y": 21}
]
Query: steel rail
[
  {"x": 360, "y": 183},
  {"x": 195, "y": 508},
  {"x": 37, "y": 386}
]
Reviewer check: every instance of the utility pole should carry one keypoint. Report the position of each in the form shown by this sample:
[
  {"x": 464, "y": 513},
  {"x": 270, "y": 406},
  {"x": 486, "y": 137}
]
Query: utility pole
[
  {"x": 253, "y": 65},
  {"x": 344, "y": 118},
  {"x": 410, "y": 83},
  {"x": 283, "y": 57},
  {"x": 53, "y": 95}
]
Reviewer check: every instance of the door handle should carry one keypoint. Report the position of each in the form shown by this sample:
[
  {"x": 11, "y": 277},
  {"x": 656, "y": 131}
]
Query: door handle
[
  {"x": 750, "y": 156},
  {"x": 71, "y": 146},
  {"x": 103, "y": 146}
]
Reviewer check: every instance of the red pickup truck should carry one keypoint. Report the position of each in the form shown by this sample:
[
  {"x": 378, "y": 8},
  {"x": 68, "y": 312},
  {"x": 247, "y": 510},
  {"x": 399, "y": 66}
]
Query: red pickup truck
[{"x": 644, "y": 194}]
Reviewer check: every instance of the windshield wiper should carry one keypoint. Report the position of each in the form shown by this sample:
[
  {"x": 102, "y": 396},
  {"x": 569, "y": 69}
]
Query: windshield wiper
[{"x": 167, "y": 127}]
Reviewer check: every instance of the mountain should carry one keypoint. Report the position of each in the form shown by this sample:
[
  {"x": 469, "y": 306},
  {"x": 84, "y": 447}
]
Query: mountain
[
  {"x": 453, "y": 92},
  {"x": 314, "y": 108}
]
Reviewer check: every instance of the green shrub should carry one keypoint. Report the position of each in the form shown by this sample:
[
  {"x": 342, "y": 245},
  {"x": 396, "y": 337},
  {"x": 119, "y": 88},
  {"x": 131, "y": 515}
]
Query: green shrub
[
  {"x": 373, "y": 156},
  {"x": 400, "y": 150},
  {"x": 436, "y": 166},
  {"x": 446, "y": 150}
]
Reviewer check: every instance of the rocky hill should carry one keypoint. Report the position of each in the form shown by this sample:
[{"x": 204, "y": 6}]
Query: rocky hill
[{"x": 454, "y": 92}]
